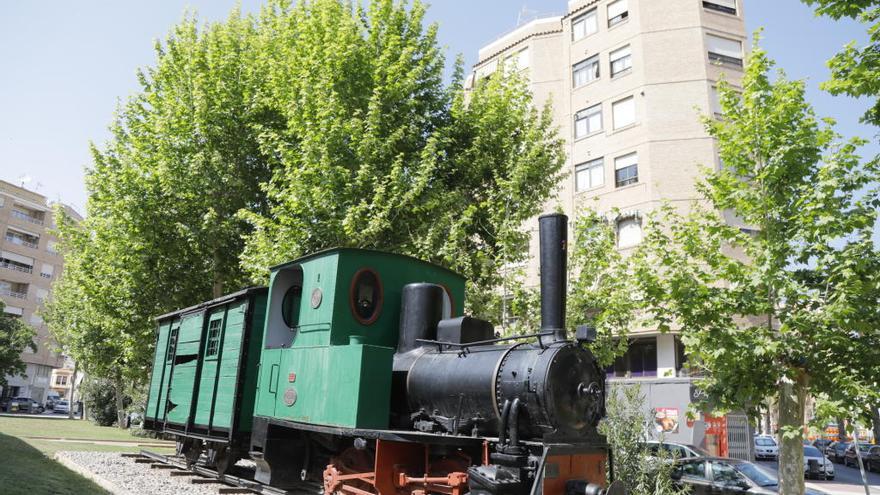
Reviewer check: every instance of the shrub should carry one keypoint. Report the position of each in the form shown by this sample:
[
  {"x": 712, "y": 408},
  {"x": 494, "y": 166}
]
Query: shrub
[{"x": 99, "y": 396}]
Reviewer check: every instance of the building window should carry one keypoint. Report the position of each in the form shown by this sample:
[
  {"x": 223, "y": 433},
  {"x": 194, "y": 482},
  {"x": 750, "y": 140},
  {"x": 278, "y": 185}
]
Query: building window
[
  {"x": 724, "y": 51},
  {"x": 629, "y": 232},
  {"x": 584, "y": 25},
  {"x": 588, "y": 121},
  {"x": 517, "y": 61},
  {"x": 43, "y": 371},
  {"x": 60, "y": 380},
  {"x": 617, "y": 12},
  {"x": 22, "y": 238},
  {"x": 47, "y": 271},
  {"x": 726, "y": 6},
  {"x": 213, "y": 338},
  {"x": 16, "y": 262},
  {"x": 589, "y": 175},
  {"x": 508, "y": 317},
  {"x": 621, "y": 61},
  {"x": 640, "y": 359},
  {"x": 585, "y": 72},
  {"x": 624, "y": 112},
  {"x": 626, "y": 170}
]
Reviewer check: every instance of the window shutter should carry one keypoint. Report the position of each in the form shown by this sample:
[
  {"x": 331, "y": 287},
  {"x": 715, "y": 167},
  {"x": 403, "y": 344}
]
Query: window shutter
[
  {"x": 17, "y": 258},
  {"x": 629, "y": 232},
  {"x": 620, "y": 53},
  {"x": 12, "y": 310},
  {"x": 624, "y": 112},
  {"x": 617, "y": 8},
  {"x": 626, "y": 161},
  {"x": 724, "y": 46},
  {"x": 731, "y": 4}
]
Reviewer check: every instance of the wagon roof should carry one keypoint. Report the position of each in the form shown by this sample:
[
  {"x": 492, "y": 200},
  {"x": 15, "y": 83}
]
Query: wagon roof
[{"x": 214, "y": 302}]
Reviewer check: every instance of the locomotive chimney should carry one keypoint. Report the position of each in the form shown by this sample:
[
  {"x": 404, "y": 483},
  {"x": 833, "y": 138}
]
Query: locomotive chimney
[
  {"x": 421, "y": 309},
  {"x": 553, "y": 236}
]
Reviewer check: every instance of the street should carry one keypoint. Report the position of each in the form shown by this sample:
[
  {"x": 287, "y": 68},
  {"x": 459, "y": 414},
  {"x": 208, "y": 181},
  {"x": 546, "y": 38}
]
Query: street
[{"x": 846, "y": 481}]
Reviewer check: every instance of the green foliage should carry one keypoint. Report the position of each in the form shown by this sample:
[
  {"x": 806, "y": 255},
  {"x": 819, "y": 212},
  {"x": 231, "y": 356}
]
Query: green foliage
[
  {"x": 378, "y": 153},
  {"x": 787, "y": 306},
  {"x": 627, "y": 426},
  {"x": 99, "y": 397},
  {"x": 15, "y": 337},
  {"x": 602, "y": 290},
  {"x": 855, "y": 71},
  {"x": 262, "y": 138}
]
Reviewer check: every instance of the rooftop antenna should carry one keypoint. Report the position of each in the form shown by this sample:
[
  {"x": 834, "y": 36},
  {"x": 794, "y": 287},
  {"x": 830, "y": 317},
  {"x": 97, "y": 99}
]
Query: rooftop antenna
[
  {"x": 24, "y": 179},
  {"x": 525, "y": 15}
]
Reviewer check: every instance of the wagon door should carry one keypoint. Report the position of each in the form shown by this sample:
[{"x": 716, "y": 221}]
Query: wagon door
[
  {"x": 161, "y": 365},
  {"x": 185, "y": 370}
]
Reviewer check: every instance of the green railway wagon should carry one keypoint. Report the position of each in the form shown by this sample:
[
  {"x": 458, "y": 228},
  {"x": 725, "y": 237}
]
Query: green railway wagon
[{"x": 203, "y": 382}]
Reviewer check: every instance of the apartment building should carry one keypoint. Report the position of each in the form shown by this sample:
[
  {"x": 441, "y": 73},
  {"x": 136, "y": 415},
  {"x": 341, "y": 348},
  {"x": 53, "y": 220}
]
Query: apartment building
[
  {"x": 29, "y": 264},
  {"x": 628, "y": 81}
]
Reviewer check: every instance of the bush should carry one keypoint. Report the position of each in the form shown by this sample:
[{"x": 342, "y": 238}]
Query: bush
[
  {"x": 628, "y": 426},
  {"x": 99, "y": 396}
]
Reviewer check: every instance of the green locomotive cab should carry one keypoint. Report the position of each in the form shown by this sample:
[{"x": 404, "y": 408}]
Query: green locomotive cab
[{"x": 331, "y": 331}]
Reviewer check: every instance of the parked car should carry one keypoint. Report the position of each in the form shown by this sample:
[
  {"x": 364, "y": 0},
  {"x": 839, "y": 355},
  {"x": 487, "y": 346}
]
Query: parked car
[
  {"x": 849, "y": 456},
  {"x": 766, "y": 448},
  {"x": 872, "y": 458},
  {"x": 62, "y": 406},
  {"x": 4, "y": 404},
  {"x": 722, "y": 476},
  {"x": 822, "y": 467},
  {"x": 836, "y": 451},
  {"x": 821, "y": 443},
  {"x": 25, "y": 404},
  {"x": 674, "y": 449}
]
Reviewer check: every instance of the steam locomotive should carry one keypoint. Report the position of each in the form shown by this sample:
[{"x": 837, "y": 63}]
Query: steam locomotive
[{"x": 356, "y": 372}]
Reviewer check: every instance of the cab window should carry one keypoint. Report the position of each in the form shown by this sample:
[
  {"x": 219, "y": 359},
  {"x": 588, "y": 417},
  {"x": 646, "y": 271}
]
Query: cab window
[{"x": 366, "y": 296}]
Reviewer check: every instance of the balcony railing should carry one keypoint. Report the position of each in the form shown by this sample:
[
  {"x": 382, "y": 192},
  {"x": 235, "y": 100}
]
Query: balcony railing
[
  {"x": 12, "y": 293},
  {"x": 725, "y": 60},
  {"x": 27, "y": 218},
  {"x": 21, "y": 242},
  {"x": 18, "y": 268}
]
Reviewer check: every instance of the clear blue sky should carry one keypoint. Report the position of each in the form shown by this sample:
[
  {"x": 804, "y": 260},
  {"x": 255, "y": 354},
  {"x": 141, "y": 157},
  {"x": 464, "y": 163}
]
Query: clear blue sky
[{"x": 65, "y": 65}]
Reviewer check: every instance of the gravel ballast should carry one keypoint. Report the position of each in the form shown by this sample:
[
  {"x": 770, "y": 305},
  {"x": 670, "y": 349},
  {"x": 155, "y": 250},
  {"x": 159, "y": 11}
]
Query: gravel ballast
[{"x": 123, "y": 476}]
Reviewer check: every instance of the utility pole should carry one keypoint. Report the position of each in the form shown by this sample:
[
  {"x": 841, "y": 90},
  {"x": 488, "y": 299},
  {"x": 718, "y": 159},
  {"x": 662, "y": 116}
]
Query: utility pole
[
  {"x": 859, "y": 457},
  {"x": 71, "y": 404}
]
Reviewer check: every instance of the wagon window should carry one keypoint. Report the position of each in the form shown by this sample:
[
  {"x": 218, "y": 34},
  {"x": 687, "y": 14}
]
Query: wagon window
[
  {"x": 290, "y": 306},
  {"x": 213, "y": 338},
  {"x": 172, "y": 344},
  {"x": 366, "y": 296}
]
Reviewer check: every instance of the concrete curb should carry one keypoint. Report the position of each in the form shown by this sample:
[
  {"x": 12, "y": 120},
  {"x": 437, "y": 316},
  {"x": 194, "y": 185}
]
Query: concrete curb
[{"x": 100, "y": 481}]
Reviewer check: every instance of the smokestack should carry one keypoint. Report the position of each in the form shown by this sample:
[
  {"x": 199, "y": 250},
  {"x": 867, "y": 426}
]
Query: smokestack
[{"x": 553, "y": 236}]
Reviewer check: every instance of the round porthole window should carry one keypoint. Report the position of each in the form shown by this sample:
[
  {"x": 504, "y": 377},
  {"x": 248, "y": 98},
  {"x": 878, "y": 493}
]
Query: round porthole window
[
  {"x": 290, "y": 306},
  {"x": 366, "y": 296}
]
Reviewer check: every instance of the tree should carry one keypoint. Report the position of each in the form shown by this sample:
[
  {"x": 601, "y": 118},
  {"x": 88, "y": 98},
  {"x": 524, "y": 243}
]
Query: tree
[
  {"x": 15, "y": 337},
  {"x": 266, "y": 137},
  {"x": 378, "y": 153},
  {"x": 627, "y": 426},
  {"x": 773, "y": 281},
  {"x": 855, "y": 71}
]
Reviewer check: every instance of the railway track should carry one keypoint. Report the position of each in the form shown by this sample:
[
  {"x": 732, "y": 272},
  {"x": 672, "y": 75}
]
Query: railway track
[{"x": 227, "y": 483}]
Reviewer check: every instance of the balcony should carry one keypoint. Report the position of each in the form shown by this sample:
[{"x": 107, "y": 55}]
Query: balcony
[
  {"x": 27, "y": 218},
  {"x": 18, "y": 267},
  {"x": 22, "y": 241},
  {"x": 12, "y": 293}
]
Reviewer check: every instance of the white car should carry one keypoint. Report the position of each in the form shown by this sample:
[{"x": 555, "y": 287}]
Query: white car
[
  {"x": 766, "y": 448},
  {"x": 62, "y": 407},
  {"x": 824, "y": 466}
]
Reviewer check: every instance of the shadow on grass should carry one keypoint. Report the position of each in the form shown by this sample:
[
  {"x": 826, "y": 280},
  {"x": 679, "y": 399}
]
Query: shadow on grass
[{"x": 24, "y": 469}]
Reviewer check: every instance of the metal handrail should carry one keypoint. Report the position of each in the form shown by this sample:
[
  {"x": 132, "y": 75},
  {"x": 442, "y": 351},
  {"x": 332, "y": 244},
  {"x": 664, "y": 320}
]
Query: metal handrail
[
  {"x": 10, "y": 266},
  {"x": 24, "y": 216},
  {"x": 12, "y": 293},
  {"x": 21, "y": 242}
]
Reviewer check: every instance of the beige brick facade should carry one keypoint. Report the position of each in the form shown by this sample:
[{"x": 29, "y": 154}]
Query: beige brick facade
[{"x": 29, "y": 264}]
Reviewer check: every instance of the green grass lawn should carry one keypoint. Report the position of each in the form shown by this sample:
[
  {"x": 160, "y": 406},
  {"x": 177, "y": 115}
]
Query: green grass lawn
[
  {"x": 26, "y": 470},
  {"x": 35, "y": 431}
]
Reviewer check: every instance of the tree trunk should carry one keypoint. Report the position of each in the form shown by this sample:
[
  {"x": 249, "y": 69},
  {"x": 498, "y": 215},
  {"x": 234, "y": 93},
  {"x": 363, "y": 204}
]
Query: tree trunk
[
  {"x": 792, "y": 402},
  {"x": 767, "y": 428},
  {"x": 841, "y": 430},
  {"x": 120, "y": 402},
  {"x": 71, "y": 403}
]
